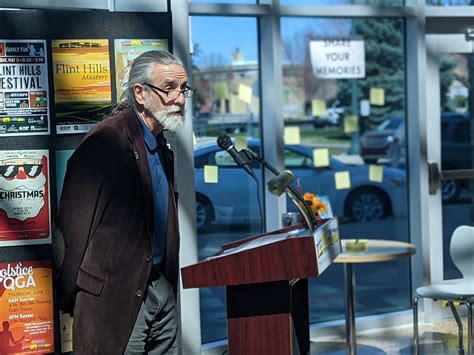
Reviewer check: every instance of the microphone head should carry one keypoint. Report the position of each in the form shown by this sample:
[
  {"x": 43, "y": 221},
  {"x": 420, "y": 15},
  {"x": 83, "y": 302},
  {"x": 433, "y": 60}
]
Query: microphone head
[
  {"x": 223, "y": 141},
  {"x": 278, "y": 184}
]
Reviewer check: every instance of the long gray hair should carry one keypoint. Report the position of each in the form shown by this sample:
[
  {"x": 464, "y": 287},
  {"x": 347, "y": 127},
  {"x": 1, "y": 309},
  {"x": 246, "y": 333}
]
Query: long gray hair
[{"x": 140, "y": 73}]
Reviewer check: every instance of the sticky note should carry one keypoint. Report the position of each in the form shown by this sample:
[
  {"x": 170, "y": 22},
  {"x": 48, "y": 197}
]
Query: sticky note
[
  {"x": 364, "y": 108},
  {"x": 245, "y": 93},
  {"x": 240, "y": 142},
  {"x": 211, "y": 175},
  {"x": 351, "y": 124},
  {"x": 221, "y": 91},
  {"x": 377, "y": 96},
  {"x": 318, "y": 107},
  {"x": 321, "y": 157},
  {"x": 292, "y": 135},
  {"x": 343, "y": 180},
  {"x": 376, "y": 173}
]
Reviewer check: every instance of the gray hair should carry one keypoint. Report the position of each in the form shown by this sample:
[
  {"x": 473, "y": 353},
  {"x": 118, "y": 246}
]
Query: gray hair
[{"x": 140, "y": 73}]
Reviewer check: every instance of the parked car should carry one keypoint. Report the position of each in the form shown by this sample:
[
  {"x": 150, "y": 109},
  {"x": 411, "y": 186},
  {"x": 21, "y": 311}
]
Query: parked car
[
  {"x": 376, "y": 144},
  {"x": 457, "y": 150},
  {"x": 234, "y": 198}
]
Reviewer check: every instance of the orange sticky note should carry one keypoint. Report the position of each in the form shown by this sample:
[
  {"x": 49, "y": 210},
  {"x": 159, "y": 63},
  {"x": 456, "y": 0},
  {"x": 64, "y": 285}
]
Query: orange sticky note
[
  {"x": 343, "y": 180},
  {"x": 211, "y": 174},
  {"x": 376, "y": 173},
  {"x": 377, "y": 96},
  {"x": 292, "y": 135},
  {"x": 321, "y": 157}
]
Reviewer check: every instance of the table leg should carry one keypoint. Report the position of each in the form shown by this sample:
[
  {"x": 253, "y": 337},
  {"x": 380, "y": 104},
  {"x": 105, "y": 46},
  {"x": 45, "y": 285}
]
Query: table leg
[{"x": 350, "y": 310}]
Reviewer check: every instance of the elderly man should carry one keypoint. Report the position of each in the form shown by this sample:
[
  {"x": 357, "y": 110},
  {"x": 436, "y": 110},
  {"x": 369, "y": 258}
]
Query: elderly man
[{"x": 118, "y": 219}]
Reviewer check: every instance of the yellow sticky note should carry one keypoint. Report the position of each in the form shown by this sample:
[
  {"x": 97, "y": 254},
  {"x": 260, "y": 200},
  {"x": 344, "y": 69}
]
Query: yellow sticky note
[
  {"x": 343, "y": 180},
  {"x": 221, "y": 91},
  {"x": 292, "y": 135},
  {"x": 211, "y": 174},
  {"x": 377, "y": 96},
  {"x": 245, "y": 93},
  {"x": 240, "y": 142},
  {"x": 376, "y": 173},
  {"x": 321, "y": 157},
  {"x": 351, "y": 124},
  {"x": 194, "y": 139},
  {"x": 318, "y": 107}
]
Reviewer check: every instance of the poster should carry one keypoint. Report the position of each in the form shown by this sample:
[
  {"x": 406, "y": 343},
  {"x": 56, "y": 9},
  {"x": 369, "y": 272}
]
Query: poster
[
  {"x": 26, "y": 307},
  {"x": 82, "y": 89},
  {"x": 126, "y": 50},
  {"x": 24, "y": 197},
  {"x": 24, "y": 102}
]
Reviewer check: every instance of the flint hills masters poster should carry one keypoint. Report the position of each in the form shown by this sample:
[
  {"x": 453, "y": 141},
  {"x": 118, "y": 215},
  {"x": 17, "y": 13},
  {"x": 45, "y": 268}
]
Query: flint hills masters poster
[
  {"x": 24, "y": 102},
  {"x": 82, "y": 89},
  {"x": 126, "y": 50},
  {"x": 26, "y": 307},
  {"x": 24, "y": 197}
]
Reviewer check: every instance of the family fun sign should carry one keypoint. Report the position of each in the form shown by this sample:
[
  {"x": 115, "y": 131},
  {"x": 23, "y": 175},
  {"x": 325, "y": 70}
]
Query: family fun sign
[{"x": 338, "y": 58}]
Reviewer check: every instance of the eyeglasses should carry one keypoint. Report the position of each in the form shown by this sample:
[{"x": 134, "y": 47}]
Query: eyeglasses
[
  {"x": 173, "y": 94},
  {"x": 10, "y": 171}
]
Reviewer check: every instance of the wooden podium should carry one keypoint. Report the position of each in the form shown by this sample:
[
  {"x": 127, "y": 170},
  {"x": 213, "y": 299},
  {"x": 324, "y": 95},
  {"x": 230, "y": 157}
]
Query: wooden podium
[{"x": 267, "y": 287}]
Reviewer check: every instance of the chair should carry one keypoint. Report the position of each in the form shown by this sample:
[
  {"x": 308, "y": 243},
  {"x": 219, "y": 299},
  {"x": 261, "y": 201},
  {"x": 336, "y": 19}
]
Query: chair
[{"x": 460, "y": 290}]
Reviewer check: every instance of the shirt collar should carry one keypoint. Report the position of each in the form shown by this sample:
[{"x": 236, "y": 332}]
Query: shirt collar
[{"x": 150, "y": 140}]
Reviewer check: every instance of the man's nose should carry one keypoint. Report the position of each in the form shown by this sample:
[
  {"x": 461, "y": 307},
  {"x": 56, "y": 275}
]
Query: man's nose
[{"x": 180, "y": 100}]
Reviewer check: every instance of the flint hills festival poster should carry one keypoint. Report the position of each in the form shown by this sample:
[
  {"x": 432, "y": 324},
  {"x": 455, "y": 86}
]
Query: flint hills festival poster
[
  {"x": 126, "y": 50},
  {"x": 24, "y": 197},
  {"x": 24, "y": 102},
  {"x": 82, "y": 88},
  {"x": 26, "y": 307}
]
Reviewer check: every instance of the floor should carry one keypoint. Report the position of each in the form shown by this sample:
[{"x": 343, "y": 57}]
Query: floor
[{"x": 438, "y": 338}]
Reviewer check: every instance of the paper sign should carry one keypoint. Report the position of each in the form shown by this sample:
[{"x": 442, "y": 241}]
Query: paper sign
[
  {"x": 65, "y": 321},
  {"x": 376, "y": 173},
  {"x": 292, "y": 135},
  {"x": 377, "y": 96},
  {"x": 343, "y": 180},
  {"x": 321, "y": 157},
  {"x": 240, "y": 143},
  {"x": 211, "y": 175},
  {"x": 318, "y": 107},
  {"x": 245, "y": 93},
  {"x": 351, "y": 124},
  {"x": 221, "y": 91}
]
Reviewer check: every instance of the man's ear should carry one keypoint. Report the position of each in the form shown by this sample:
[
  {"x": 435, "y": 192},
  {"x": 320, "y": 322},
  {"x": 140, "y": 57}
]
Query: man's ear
[{"x": 139, "y": 92}]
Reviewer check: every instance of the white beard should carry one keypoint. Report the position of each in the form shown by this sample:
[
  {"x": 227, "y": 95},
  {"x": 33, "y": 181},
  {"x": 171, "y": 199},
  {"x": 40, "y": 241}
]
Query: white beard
[{"x": 172, "y": 118}]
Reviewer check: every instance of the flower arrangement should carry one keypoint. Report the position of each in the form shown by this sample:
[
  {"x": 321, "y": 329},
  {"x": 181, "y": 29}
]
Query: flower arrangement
[{"x": 318, "y": 207}]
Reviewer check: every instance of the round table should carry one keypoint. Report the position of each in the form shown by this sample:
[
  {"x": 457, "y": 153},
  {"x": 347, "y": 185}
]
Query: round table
[{"x": 377, "y": 251}]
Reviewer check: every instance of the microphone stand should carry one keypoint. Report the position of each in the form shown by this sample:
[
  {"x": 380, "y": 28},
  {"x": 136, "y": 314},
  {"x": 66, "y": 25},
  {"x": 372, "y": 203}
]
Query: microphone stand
[{"x": 296, "y": 197}]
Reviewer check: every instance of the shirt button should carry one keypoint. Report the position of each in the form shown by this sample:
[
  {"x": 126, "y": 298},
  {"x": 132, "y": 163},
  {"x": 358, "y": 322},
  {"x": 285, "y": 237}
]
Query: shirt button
[
  {"x": 139, "y": 293},
  {"x": 148, "y": 258}
]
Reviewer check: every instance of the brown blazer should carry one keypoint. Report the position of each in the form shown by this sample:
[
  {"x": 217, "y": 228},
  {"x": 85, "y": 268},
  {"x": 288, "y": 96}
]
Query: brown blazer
[{"x": 106, "y": 219}]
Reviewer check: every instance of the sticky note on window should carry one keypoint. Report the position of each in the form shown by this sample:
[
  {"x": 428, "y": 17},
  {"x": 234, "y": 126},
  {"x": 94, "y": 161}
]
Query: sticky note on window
[
  {"x": 377, "y": 96},
  {"x": 245, "y": 93},
  {"x": 343, "y": 180},
  {"x": 211, "y": 175},
  {"x": 292, "y": 135},
  {"x": 221, "y": 91},
  {"x": 194, "y": 139},
  {"x": 321, "y": 157},
  {"x": 351, "y": 124},
  {"x": 318, "y": 107},
  {"x": 376, "y": 173},
  {"x": 240, "y": 142}
]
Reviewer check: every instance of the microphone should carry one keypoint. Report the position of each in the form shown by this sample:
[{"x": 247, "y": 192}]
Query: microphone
[
  {"x": 278, "y": 184},
  {"x": 224, "y": 142}
]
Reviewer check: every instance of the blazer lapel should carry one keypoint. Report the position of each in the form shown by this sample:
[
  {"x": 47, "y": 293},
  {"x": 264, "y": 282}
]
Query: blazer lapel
[{"x": 138, "y": 146}]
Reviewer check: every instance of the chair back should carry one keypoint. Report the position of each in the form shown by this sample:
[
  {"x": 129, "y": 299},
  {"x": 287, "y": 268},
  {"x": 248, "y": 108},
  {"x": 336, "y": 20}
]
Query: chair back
[{"x": 462, "y": 250}]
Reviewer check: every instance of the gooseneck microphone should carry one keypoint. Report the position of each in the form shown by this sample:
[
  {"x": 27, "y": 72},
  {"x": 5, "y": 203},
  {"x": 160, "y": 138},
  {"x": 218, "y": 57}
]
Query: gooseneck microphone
[{"x": 224, "y": 142}]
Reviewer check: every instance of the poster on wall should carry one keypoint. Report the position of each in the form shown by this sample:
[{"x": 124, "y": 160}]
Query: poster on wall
[
  {"x": 126, "y": 50},
  {"x": 26, "y": 307},
  {"x": 24, "y": 197},
  {"x": 24, "y": 102},
  {"x": 82, "y": 89}
]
